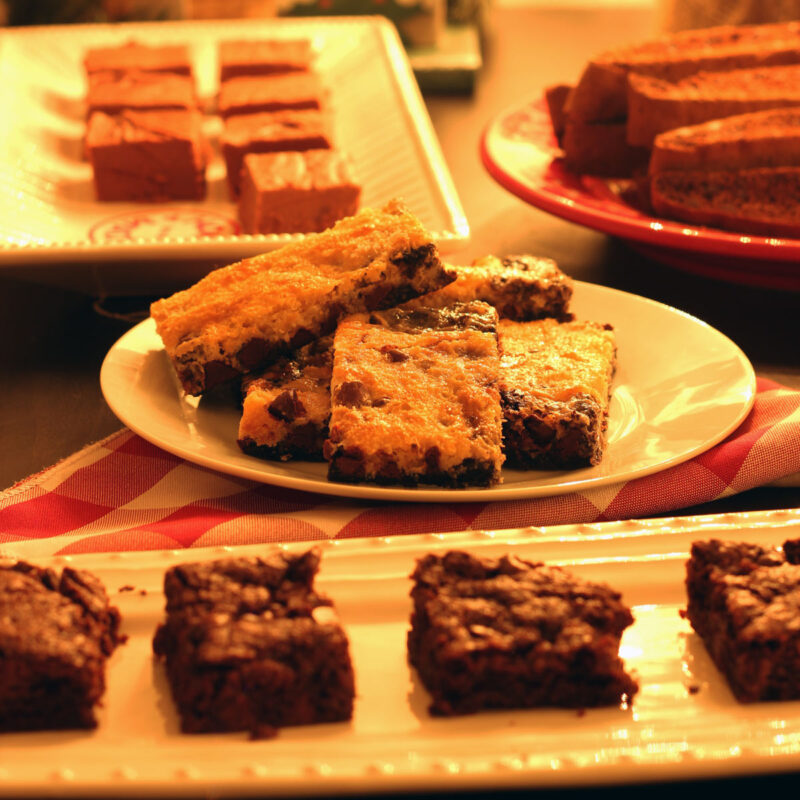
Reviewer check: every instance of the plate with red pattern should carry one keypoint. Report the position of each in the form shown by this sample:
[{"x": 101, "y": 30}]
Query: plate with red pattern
[{"x": 520, "y": 152}]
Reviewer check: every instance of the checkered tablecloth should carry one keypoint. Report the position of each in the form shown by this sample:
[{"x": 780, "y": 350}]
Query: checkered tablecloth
[{"x": 126, "y": 494}]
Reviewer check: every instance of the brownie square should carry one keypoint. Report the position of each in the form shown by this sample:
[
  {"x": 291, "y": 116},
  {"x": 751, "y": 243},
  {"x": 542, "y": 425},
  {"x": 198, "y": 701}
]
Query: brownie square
[
  {"x": 147, "y": 156},
  {"x": 263, "y": 57},
  {"x": 414, "y": 398},
  {"x": 113, "y": 92},
  {"x": 270, "y": 132},
  {"x": 56, "y": 634},
  {"x": 251, "y": 646},
  {"x": 509, "y": 633},
  {"x": 555, "y": 387},
  {"x": 744, "y": 603},
  {"x": 252, "y": 94},
  {"x": 286, "y": 408},
  {"x": 296, "y": 192},
  {"x": 135, "y": 56}
]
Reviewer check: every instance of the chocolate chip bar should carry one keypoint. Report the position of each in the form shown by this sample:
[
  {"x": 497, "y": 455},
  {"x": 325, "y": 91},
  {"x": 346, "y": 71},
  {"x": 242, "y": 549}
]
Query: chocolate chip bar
[
  {"x": 56, "y": 634},
  {"x": 522, "y": 287},
  {"x": 245, "y": 316},
  {"x": 743, "y": 602},
  {"x": 286, "y": 408},
  {"x": 414, "y": 396},
  {"x": 509, "y": 633},
  {"x": 555, "y": 388},
  {"x": 250, "y": 645}
]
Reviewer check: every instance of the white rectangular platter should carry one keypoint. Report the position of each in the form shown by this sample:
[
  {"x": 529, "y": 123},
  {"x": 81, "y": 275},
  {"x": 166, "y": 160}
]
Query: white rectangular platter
[
  {"x": 48, "y": 213},
  {"x": 683, "y": 723}
]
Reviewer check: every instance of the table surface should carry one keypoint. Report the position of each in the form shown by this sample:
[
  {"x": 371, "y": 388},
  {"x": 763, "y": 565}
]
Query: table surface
[{"x": 55, "y": 340}]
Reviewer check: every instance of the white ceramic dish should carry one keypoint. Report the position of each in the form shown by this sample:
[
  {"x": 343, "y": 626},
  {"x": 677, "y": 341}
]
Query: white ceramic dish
[
  {"x": 48, "y": 214},
  {"x": 681, "y": 387},
  {"x": 684, "y": 722}
]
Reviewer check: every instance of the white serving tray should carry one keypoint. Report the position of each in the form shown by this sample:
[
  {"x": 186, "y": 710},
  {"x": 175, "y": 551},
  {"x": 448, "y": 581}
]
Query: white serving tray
[
  {"x": 50, "y": 221},
  {"x": 684, "y": 723}
]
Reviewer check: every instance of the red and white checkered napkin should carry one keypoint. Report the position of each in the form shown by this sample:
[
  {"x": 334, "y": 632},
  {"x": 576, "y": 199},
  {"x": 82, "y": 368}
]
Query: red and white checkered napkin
[{"x": 125, "y": 494}]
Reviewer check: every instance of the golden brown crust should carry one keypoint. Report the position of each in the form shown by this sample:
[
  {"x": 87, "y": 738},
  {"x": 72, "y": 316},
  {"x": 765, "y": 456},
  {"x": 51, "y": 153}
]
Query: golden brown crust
[
  {"x": 247, "y": 315},
  {"x": 415, "y": 398},
  {"x": 555, "y": 387}
]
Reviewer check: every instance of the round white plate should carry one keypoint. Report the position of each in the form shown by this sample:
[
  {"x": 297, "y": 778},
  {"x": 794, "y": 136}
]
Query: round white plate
[{"x": 681, "y": 386}]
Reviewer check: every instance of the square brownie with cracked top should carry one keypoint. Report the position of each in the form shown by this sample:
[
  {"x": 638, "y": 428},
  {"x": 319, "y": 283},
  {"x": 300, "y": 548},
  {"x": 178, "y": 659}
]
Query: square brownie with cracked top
[
  {"x": 744, "y": 603},
  {"x": 555, "y": 388},
  {"x": 245, "y": 316},
  {"x": 510, "y": 633},
  {"x": 134, "y": 55},
  {"x": 56, "y": 635},
  {"x": 250, "y": 645},
  {"x": 263, "y": 57},
  {"x": 112, "y": 92},
  {"x": 252, "y": 94},
  {"x": 414, "y": 397}
]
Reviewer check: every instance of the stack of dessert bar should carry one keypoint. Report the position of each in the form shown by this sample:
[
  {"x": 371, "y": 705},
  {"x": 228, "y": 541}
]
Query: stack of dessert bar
[
  {"x": 359, "y": 346},
  {"x": 277, "y": 144},
  {"x": 144, "y": 136}
]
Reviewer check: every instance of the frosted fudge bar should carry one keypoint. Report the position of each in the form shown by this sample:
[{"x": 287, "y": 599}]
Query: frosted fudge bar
[
  {"x": 286, "y": 408},
  {"x": 250, "y": 645},
  {"x": 555, "y": 388},
  {"x": 743, "y": 603},
  {"x": 271, "y": 132},
  {"x": 147, "y": 156},
  {"x": 521, "y": 287},
  {"x": 414, "y": 398},
  {"x": 263, "y": 57},
  {"x": 137, "y": 56},
  {"x": 296, "y": 192},
  {"x": 509, "y": 633},
  {"x": 251, "y": 94},
  {"x": 247, "y": 315},
  {"x": 113, "y": 92}
]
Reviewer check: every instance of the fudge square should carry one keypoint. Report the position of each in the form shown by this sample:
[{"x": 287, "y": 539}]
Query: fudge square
[
  {"x": 56, "y": 634},
  {"x": 263, "y": 57},
  {"x": 286, "y": 407},
  {"x": 245, "y": 316},
  {"x": 137, "y": 56},
  {"x": 414, "y": 398},
  {"x": 270, "y": 132},
  {"x": 250, "y": 645},
  {"x": 113, "y": 92},
  {"x": 509, "y": 633},
  {"x": 744, "y": 603},
  {"x": 251, "y": 94},
  {"x": 147, "y": 156},
  {"x": 555, "y": 387},
  {"x": 295, "y": 192}
]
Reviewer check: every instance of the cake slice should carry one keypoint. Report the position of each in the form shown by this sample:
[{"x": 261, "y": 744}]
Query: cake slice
[
  {"x": 521, "y": 287},
  {"x": 744, "y": 603},
  {"x": 250, "y": 645},
  {"x": 287, "y": 407},
  {"x": 509, "y": 633},
  {"x": 56, "y": 635},
  {"x": 414, "y": 398},
  {"x": 601, "y": 92},
  {"x": 765, "y": 202},
  {"x": 555, "y": 385},
  {"x": 656, "y": 105},
  {"x": 745, "y": 141},
  {"x": 602, "y": 149},
  {"x": 247, "y": 315}
]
